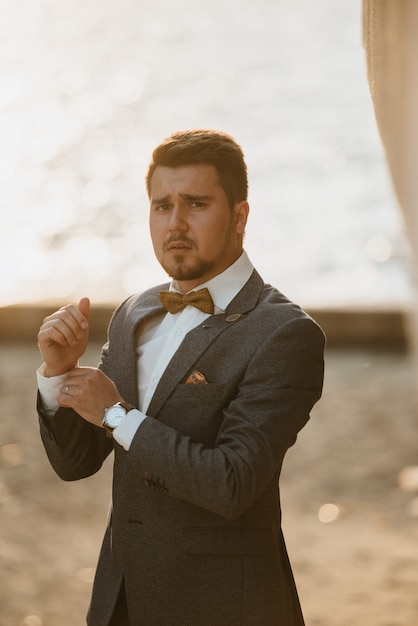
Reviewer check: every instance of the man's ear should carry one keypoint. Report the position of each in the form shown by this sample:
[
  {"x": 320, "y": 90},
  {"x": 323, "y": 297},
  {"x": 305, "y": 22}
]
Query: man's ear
[{"x": 241, "y": 211}]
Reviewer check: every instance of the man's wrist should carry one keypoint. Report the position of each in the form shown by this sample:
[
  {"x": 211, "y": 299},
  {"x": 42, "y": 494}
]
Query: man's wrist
[
  {"x": 114, "y": 415},
  {"x": 126, "y": 431},
  {"x": 47, "y": 372},
  {"x": 49, "y": 389}
]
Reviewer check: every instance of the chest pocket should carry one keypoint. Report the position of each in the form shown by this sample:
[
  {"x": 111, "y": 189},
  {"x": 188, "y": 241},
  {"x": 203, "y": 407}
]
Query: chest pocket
[{"x": 195, "y": 411}]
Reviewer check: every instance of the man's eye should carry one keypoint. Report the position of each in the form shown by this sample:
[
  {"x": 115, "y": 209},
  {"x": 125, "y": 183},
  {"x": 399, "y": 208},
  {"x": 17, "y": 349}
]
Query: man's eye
[{"x": 197, "y": 205}]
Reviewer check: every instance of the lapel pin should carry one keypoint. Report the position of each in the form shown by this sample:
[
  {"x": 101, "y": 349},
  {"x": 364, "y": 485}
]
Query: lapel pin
[{"x": 233, "y": 318}]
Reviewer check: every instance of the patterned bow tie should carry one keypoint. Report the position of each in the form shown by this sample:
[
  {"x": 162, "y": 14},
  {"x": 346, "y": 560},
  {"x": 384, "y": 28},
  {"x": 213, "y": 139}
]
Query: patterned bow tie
[{"x": 174, "y": 302}]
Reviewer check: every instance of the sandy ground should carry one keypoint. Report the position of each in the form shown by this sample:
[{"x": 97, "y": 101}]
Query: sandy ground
[{"x": 359, "y": 570}]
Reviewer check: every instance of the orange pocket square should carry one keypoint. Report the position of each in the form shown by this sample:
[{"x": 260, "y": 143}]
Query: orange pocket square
[{"x": 196, "y": 378}]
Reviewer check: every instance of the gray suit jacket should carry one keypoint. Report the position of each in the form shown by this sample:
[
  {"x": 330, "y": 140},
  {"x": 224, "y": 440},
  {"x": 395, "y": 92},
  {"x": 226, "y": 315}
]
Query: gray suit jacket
[{"x": 195, "y": 529}]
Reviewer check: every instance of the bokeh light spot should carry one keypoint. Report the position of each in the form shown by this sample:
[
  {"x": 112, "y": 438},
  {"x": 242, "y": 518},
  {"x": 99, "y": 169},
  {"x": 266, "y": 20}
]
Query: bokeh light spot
[
  {"x": 31, "y": 620},
  {"x": 11, "y": 455},
  {"x": 408, "y": 478},
  {"x": 328, "y": 513}
]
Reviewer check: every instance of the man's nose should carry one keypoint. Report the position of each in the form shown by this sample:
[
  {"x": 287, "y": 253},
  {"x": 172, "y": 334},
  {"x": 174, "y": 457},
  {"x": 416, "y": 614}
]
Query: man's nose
[{"x": 178, "y": 218}]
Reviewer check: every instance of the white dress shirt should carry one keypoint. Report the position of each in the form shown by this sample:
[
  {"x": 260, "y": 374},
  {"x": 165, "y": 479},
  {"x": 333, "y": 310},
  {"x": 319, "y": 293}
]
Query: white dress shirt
[{"x": 159, "y": 339}]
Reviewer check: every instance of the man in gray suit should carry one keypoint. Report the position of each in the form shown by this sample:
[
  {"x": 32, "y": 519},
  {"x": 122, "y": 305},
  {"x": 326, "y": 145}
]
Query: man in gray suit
[{"x": 199, "y": 402}]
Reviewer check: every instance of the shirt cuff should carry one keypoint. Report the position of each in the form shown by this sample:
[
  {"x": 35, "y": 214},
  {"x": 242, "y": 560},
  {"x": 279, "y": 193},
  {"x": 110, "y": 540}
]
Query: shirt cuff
[
  {"x": 126, "y": 430},
  {"x": 49, "y": 389}
]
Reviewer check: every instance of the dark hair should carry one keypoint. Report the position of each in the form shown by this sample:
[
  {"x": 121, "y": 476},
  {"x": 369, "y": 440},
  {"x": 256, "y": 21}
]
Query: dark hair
[{"x": 208, "y": 147}]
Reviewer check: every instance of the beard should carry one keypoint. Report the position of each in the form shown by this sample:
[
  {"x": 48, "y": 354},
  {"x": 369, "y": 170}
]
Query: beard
[
  {"x": 179, "y": 267},
  {"x": 183, "y": 271}
]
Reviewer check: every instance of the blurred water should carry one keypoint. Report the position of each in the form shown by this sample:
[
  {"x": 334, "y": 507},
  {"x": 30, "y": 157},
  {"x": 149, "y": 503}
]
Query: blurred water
[{"x": 89, "y": 87}]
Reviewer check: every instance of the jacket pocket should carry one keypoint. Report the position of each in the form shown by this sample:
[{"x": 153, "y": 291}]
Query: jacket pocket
[
  {"x": 198, "y": 391},
  {"x": 227, "y": 541}
]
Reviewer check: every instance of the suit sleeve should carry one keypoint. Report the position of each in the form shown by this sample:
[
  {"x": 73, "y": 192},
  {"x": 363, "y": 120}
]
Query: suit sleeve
[
  {"x": 75, "y": 448},
  {"x": 259, "y": 423}
]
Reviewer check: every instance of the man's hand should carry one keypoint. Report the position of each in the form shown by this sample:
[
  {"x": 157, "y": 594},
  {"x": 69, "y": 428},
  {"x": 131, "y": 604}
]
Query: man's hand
[
  {"x": 63, "y": 338},
  {"x": 89, "y": 392}
]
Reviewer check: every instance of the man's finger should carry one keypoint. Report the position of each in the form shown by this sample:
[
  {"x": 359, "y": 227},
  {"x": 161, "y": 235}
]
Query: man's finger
[{"x": 84, "y": 307}]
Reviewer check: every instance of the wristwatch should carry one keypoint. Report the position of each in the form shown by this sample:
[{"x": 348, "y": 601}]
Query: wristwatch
[{"x": 114, "y": 415}]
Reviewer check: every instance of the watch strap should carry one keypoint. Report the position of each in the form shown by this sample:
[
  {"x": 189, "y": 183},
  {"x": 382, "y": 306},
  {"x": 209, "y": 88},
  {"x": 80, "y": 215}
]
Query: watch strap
[{"x": 126, "y": 406}]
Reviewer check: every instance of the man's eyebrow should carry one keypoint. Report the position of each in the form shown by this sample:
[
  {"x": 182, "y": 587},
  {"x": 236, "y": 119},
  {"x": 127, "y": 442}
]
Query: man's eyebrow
[
  {"x": 190, "y": 197},
  {"x": 163, "y": 200},
  {"x": 195, "y": 196}
]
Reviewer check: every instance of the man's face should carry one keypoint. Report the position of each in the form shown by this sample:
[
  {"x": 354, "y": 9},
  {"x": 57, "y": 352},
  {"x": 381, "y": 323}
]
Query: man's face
[{"x": 195, "y": 233}]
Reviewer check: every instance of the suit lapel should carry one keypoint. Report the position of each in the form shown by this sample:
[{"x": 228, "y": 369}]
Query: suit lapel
[
  {"x": 199, "y": 339},
  {"x": 141, "y": 309}
]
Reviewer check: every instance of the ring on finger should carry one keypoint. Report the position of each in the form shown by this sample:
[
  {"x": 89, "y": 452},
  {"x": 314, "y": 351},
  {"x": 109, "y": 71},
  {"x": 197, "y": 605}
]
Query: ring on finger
[{"x": 66, "y": 390}]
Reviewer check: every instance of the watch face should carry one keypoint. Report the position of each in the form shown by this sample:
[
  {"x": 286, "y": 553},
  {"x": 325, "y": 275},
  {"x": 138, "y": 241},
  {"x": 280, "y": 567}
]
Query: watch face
[{"x": 114, "y": 416}]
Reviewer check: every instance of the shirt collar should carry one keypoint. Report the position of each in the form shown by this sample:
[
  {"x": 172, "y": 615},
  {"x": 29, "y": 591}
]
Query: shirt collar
[{"x": 225, "y": 286}]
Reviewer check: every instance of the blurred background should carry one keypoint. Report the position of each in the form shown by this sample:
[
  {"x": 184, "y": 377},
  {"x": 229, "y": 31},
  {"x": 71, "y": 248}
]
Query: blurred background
[{"x": 87, "y": 89}]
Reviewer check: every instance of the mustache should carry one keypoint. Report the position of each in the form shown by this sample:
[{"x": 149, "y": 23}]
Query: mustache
[{"x": 180, "y": 238}]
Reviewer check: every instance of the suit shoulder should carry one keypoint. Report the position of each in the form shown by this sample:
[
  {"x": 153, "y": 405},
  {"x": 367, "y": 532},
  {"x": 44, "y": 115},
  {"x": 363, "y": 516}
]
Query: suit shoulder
[
  {"x": 274, "y": 303},
  {"x": 141, "y": 297},
  {"x": 145, "y": 299},
  {"x": 276, "y": 309}
]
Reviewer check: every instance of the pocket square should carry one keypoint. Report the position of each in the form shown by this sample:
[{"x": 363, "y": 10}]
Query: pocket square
[{"x": 196, "y": 378}]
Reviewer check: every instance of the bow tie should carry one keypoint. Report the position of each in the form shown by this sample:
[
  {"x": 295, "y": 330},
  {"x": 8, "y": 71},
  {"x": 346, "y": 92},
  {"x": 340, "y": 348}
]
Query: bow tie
[{"x": 175, "y": 302}]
